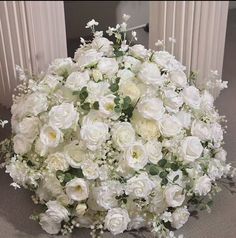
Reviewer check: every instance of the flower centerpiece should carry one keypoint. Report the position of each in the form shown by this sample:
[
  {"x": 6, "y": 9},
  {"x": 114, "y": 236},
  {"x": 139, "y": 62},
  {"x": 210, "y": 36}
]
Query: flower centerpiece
[{"x": 117, "y": 139}]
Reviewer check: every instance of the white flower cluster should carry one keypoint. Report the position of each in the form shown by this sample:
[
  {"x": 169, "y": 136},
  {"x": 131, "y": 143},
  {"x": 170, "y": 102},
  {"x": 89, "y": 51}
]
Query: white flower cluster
[{"x": 116, "y": 139}]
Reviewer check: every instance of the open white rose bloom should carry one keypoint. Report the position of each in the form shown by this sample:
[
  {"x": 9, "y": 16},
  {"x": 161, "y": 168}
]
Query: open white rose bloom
[{"x": 117, "y": 139}]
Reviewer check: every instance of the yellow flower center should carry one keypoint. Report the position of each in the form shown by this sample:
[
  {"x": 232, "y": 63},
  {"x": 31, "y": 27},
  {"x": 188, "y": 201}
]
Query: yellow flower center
[{"x": 52, "y": 135}]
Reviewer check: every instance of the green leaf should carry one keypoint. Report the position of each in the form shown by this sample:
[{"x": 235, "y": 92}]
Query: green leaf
[
  {"x": 86, "y": 106},
  {"x": 174, "y": 167},
  {"x": 83, "y": 94},
  {"x": 96, "y": 105},
  {"x": 162, "y": 162},
  {"x": 76, "y": 172},
  {"x": 117, "y": 100},
  {"x": 163, "y": 174},
  {"x": 119, "y": 53},
  {"x": 175, "y": 178},
  {"x": 153, "y": 170},
  {"x": 76, "y": 93},
  {"x": 117, "y": 109},
  {"x": 164, "y": 181},
  {"x": 68, "y": 177},
  {"x": 114, "y": 87},
  {"x": 126, "y": 103}
]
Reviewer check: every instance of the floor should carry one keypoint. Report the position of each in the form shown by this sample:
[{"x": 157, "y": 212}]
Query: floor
[{"x": 16, "y": 206}]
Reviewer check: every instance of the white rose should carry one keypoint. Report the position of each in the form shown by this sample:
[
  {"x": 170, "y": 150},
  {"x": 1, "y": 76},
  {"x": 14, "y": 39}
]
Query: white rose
[
  {"x": 153, "y": 148},
  {"x": 123, "y": 135},
  {"x": 162, "y": 58},
  {"x": 151, "y": 108},
  {"x": 49, "y": 225},
  {"x": 150, "y": 74},
  {"x": 191, "y": 148},
  {"x": 90, "y": 169},
  {"x": 77, "y": 189},
  {"x": 36, "y": 103},
  {"x": 136, "y": 156},
  {"x": 62, "y": 66},
  {"x": 63, "y": 94},
  {"x": 216, "y": 132},
  {"x": 170, "y": 126},
  {"x": 201, "y": 130},
  {"x": 107, "y": 105},
  {"x": 116, "y": 220},
  {"x": 184, "y": 118},
  {"x": 215, "y": 169},
  {"x": 125, "y": 74},
  {"x": 63, "y": 116},
  {"x": 138, "y": 51},
  {"x": 21, "y": 144},
  {"x": 81, "y": 209},
  {"x": 57, "y": 212},
  {"x": 202, "y": 185},
  {"x": 147, "y": 129},
  {"x": 139, "y": 186},
  {"x": 132, "y": 63},
  {"x": 174, "y": 196},
  {"x": 49, "y": 83},
  {"x": 192, "y": 97},
  {"x": 29, "y": 127},
  {"x": 178, "y": 78},
  {"x": 130, "y": 88},
  {"x": 88, "y": 58},
  {"x": 179, "y": 217},
  {"x": 97, "y": 90},
  {"x": 74, "y": 154},
  {"x": 102, "y": 44},
  {"x": 77, "y": 80},
  {"x": 173, "y": 101},
  {"x": 50, "y": 136},
  {"x": 108, "y": 66},
  {"x": 56, "y": 162}
]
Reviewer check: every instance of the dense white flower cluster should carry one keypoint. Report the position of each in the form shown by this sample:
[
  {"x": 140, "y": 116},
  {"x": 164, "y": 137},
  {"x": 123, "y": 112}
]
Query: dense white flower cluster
[{"x": 116, "y": 139}]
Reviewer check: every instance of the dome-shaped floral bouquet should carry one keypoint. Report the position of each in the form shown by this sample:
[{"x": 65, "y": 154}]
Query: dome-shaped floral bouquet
[{"x": 117, "y": 139}]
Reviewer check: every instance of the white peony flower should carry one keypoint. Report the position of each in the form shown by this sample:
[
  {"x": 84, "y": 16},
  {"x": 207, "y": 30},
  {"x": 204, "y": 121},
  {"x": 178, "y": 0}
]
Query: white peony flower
[
  {"x": 139, "y": 186},
  {"x": 135, "y": 156},
  {"x": 151, "y": 108},
  {"x": 116, "y": 220},
  {"x": 63, "y": 116},
  {"x": 138, "y": 51},
  {"x": 56, "y": 162},
  {"x": 201, "y": 130},
  {"x": 153, "y": 149},
  {"x": 170, "y": 126},
  {"x": 174, "y": 196},
  {"x": 179, "y": 217},
  {"x": 178, "y": 78},
  {"x": 184, "y": 118},
  {"x": 150, "y": 74},
  {"x": 191, "y": 148},
  {"x": 123, "y": 135},
  {"x": 77, "y": 80},
  {"x": 87, "y": 58},
  {"x": 94, "y": 134},
  {"x": 192, "y": 97},
  {"x": 108, "y": 66},
  {"x": 107, "y": 105},
  {"x": 202, "y": 185},
  {"x": 102, "y": 44},
  {"x": 90, "y": 169},
  {"x": 21, "y": 144},
  {"x": 77, "y": 189},
  {"x": 50, "y": 136}
]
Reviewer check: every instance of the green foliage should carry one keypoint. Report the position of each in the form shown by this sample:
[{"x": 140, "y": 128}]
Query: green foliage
[
  {"x": 153, "y": 170},
  {"x": 162, "y": 163}
]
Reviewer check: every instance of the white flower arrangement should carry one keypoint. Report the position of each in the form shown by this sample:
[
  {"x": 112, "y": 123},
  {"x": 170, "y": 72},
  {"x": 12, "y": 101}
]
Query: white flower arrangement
[{"x": 118, "y": 138}]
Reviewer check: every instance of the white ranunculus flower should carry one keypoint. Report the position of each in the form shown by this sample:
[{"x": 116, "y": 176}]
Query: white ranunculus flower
[
  {"x": 174, "y": 196},
  {"x": 216, "y": 132},
  {"x": 21, "y": 144},
  {"x": 63, "y": 116},
  {"x": 50, "y": 136},
  {"x": 77, "y": 80},
  {"x": 90, "y": 169},
  {"x": 56, "y": 162},
  {"x": 29, "y": 127},
  {"x": 150, "y": 74},
  {"x": 139, "y": 186},
  {"x": 94, "y": 134},
  {"x": 108, "y": 66},
  {"x": 191, "y": 148},
  {"x": 107, "y": 105},
  {"x": 130, "y": 88},
  {"x": 184, "y": 118},
  {"x": 201, "y": 130},
  {"x": 153, "y": 148},
  {"x": 138, "y": 51},
  {"x": 202, "y": 185},
  {"x": 88, "y": 58},
  {"x": 77, "y": 189},
  {"x": 172, "y": 101},
  {"x": 178, "y": 78},
  {"x": 116, "y": 220},
  {"x": 192, "y": 97},
  {"x": 123, "y": 135},
  {"x": 179, "y": 217},
  {"x": 57, "y": 212},
  {"x": 170, "y": 126},
  {"x": 132, "y": 63},
  {"x": 48, "y": 224},
  {"x": 151, "y": 108},
  {"x": 74, "y": 154},
  {"x": 136, "y": 156},
  {"x": 62, "y": 66},
  {"x": 102, "y": 44},
  {"x": 147, "y": 129},
  {"x": 125, "y": 74}
]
